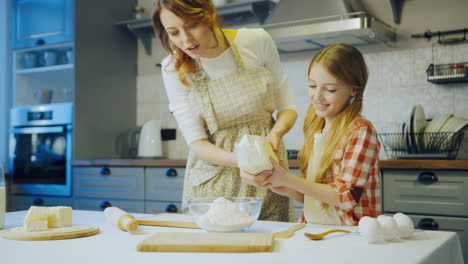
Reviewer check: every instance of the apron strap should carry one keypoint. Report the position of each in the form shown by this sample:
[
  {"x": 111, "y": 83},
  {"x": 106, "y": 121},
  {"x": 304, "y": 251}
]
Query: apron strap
[
  {"x": 230, "y": 34},
  {"x": 202, "y": 86}
]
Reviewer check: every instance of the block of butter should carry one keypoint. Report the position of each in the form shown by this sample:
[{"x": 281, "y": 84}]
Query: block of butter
[
  {"x": 60, "y": 216},
  {"x": 40, "y": 218},
  {"x": 36, "y": 219}
]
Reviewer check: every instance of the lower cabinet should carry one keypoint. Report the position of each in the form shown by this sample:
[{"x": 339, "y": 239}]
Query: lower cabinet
[
  {"x": 133, "y": 189},
  {"x": 23, "y": 202},
  {"x": 101, "y": 204},
  {"x": 96, "y": 188},
  {"x": 162, "y": 207},
  {"x": 434, "y": 199},
  {"x": 163, "y": 190},
  {"x": 445, "y": 223}
]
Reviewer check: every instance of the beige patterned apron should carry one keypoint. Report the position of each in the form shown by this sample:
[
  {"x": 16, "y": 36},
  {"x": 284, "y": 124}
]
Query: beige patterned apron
[
  {"x": 231, "y": 106},
  {"x": 314, "y": 213}
]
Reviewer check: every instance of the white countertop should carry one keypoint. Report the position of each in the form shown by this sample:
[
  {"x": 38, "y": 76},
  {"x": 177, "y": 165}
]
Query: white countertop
[{"x": 114, "y": 246}]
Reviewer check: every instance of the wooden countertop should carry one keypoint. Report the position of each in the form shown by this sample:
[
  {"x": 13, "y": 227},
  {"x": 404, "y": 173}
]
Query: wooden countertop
[
  {"x": 384, "y": 164},
  {"x": 129, "y": 162},
  {"x": 425, "y": 164}
]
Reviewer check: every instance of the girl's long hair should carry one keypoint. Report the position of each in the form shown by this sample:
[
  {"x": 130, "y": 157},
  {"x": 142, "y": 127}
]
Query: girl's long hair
[
  {"x": 347, "y": 64},
  {"x": 189, "y": 10}
]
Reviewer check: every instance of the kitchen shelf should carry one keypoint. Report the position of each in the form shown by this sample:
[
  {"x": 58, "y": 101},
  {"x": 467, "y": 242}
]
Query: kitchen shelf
[
  {"x": 241, "y": 12},
  {"x": 447, "y": 73},
  {"x": 56, "y": 68}
]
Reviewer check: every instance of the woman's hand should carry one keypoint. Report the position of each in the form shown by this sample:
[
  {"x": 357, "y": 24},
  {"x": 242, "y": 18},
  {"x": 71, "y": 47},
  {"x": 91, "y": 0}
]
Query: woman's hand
[
  {"x": 281, "y": 190},
  {"x": 260, "y": 180},
  {"x": 274, "y": 139}
]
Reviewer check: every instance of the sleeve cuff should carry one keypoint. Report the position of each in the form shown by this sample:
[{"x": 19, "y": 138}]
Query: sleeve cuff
[
  {"x": 290, "y": 107},
  {"x": 345, "y": 197},
  {"x": 193, "y": 138}
]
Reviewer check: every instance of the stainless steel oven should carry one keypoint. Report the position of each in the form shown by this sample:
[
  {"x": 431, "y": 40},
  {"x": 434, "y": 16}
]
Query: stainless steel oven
[{"x": 40, "y": 149}]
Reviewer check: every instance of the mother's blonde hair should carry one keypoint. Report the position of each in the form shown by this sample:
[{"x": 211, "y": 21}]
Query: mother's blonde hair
[{"x": 347, "y": 64}]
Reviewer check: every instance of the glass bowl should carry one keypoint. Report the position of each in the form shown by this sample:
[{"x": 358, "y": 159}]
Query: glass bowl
[{"x": 225, "y": 214}]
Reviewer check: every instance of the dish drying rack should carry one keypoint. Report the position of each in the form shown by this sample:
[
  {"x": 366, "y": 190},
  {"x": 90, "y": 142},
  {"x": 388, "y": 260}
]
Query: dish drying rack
[
  {"x": 426, "y": 145},
  {"x": 447, "y": 73}
]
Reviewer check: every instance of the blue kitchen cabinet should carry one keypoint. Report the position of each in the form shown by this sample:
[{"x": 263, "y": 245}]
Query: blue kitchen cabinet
[{"x": 41, "y": 22}]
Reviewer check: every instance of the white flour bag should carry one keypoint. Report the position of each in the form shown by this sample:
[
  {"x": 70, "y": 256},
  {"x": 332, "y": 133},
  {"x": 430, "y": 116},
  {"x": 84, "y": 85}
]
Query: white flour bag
[{"x": 253, "y": 154}]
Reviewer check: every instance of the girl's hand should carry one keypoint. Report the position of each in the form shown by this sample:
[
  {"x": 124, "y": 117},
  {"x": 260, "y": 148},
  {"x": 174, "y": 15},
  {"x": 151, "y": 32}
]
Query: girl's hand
[
  {"x": 261, "y": 180},
  {"x": 274, "y": 139},
  {"x": 279, "y": 174}
]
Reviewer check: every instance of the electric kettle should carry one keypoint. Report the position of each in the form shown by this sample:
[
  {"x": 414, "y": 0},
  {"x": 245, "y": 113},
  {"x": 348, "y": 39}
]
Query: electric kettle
[{"x": 149, "y": 144}]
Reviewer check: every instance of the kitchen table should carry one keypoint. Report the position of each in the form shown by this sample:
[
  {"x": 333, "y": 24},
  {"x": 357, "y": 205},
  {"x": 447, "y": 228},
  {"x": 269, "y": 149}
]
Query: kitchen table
[{"x": 112, "y": 245}]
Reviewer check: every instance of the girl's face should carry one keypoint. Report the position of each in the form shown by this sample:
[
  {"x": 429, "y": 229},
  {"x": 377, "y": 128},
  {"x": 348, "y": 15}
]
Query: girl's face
[
  {"x": 328, "y": 94},
  {"x": 194, "y": 38}
]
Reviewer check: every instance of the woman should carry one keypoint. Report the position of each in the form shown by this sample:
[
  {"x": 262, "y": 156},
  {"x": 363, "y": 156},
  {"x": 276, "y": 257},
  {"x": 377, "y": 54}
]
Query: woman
[
  {"x": 340, "y": 156},
  {"x": 222, "y": 84}
]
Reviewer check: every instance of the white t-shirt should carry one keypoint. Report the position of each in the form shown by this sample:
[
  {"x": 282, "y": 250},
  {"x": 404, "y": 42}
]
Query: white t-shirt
[{"x": 256, "y": 49}]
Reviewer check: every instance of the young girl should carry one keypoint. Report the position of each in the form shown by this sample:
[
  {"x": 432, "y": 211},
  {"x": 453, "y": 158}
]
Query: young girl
[
  {"x": 222, "y": 84},
  {"x": 339, "y": 159}
]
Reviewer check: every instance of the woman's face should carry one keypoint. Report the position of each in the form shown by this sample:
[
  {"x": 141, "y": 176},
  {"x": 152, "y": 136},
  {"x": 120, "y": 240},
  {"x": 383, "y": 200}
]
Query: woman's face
[
  {"x": 196, "y": 39},
  {"x": 328, "y": 94}
]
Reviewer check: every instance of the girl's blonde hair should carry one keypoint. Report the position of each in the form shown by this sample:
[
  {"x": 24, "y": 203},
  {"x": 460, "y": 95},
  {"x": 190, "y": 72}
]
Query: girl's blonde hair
[
  {"x": 200, "y": 11},
  {"x": 347, "y": 64}
]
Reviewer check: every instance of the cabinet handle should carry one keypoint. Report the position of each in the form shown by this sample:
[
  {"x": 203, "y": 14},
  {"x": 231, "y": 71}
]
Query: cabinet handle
[
  {"x": 170, "y": 208},
  {"x": 38, "y": 201},
  {"x": 427, "y": 178},
  {"x": 105, "y": 204},
  {"x": 171, "y": 173},
  {"x": 105, "y": 171},
  {"x": 428, "y": 224}
]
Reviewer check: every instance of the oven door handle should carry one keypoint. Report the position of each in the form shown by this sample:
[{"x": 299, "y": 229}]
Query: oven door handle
[{"x": 38, "y": 130}]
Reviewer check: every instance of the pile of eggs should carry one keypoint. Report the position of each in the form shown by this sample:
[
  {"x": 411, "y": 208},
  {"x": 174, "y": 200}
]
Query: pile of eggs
[{"x": 386, "y": 228}]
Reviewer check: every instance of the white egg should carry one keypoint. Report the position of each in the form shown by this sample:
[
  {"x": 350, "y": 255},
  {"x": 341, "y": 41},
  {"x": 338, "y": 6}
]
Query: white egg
[
  {"x": 370, "y": 229},
  {"x": 389, "y": 227},
  {"x": 405, "y": 225}
]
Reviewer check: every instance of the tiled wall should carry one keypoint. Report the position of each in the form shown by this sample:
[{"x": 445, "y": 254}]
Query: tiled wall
[{"x": 397, "y": 81}]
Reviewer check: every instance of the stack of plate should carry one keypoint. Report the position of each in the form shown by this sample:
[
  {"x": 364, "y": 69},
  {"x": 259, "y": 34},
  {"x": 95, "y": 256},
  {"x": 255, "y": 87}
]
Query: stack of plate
[
  {"x": 443, "y": 130},
  {"x": 417, "y": 138}
]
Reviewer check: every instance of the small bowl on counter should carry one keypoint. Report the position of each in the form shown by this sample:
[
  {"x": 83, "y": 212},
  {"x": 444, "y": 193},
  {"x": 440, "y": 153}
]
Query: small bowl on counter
[{"x": 225, "y": 214}]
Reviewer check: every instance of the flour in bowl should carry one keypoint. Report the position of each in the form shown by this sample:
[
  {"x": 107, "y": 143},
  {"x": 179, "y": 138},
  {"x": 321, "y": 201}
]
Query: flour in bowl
[{"x": 225, "y": 215}]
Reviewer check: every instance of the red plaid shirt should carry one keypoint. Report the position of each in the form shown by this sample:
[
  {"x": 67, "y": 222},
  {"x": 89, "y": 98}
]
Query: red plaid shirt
[{"x": 356, "y": 165}]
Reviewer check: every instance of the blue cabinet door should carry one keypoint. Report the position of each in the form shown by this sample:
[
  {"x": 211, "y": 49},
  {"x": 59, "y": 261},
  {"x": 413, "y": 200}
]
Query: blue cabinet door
[{"x": 41, "y": 22}]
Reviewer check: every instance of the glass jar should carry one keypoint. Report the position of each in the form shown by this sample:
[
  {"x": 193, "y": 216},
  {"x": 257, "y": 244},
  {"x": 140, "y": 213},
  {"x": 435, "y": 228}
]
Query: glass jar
[
  {"x": 457, "y": 68},
  {"x": 2, "y": 197}
]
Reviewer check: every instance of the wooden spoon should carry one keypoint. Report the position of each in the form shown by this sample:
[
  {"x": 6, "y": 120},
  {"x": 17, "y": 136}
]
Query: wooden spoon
[
  {"x": 288, "y": 232},
  {"x": 321, "y": 235}
]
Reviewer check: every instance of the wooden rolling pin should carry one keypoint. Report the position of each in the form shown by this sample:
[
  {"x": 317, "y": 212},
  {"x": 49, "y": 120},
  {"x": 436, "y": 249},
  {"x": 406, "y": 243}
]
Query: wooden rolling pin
[{"x": 127, "y": 222}]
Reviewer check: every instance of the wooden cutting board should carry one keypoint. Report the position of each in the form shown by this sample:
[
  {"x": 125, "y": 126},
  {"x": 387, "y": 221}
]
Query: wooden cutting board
[
  {"x": 18, "y": 233},
  {"x": 207, "y": 242}
]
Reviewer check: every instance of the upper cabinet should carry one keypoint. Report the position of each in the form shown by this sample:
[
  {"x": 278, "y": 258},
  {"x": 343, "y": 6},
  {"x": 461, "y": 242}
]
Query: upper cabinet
[
  {"x": 67, "y": 51},
  {"x": 41, "y": 22}
]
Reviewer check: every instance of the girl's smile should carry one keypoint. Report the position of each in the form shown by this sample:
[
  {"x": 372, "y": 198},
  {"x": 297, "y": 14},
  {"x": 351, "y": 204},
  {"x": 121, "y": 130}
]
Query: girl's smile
[{"x": 328, "y": 94}]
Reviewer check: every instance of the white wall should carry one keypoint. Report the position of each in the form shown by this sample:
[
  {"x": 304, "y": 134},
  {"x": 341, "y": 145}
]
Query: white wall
[
  {"x": 397, "y": 81},
  {"x": 5, "y": 94}
]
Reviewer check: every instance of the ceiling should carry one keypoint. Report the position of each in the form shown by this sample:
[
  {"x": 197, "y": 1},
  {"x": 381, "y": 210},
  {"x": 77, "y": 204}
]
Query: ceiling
[{"x": 417, "y": 16}]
